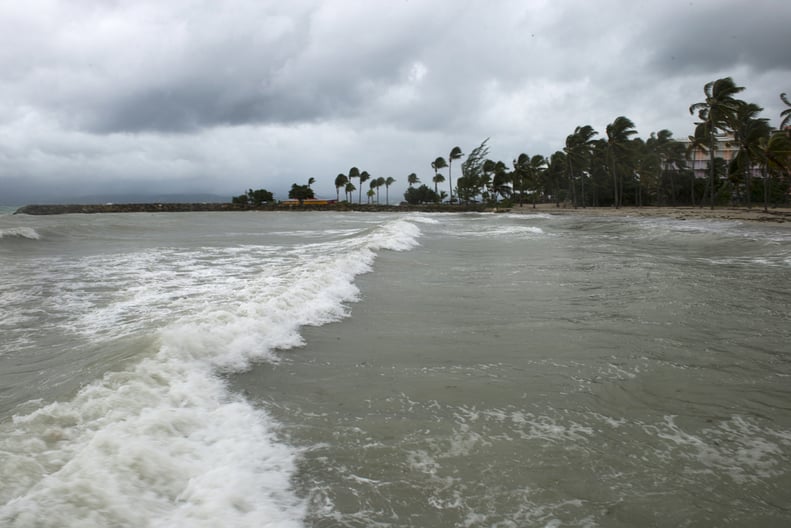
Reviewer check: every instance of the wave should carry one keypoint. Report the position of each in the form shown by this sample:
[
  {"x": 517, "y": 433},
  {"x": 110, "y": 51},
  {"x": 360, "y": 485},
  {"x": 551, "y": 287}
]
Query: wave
[
  {"x": 20, "y": 232},
  {"x": 530, "y": 216},
  {"x": 163, "y": 442},
  {"x": 503, "y": 231}
]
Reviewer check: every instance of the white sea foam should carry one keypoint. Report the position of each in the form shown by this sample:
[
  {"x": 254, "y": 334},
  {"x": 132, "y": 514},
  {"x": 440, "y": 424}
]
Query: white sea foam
[
  {"x": 504, "y": 231},
  {"x": 162, "y": 442},
  {"x": 529, "y": 216},
  {"x": 20, "y": 232},
  {"x": 737, "y": 447}
]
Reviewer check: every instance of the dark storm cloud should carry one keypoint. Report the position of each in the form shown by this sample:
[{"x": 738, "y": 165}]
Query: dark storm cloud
[
  {"x": 164, "y": 73},
  {"x": 240, "y": 93},
  {"x": 717, "y": 36}
]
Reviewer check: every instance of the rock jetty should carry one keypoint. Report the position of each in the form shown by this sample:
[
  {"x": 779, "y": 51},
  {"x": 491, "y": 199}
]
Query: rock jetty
[{"x": 189, "y": 207}]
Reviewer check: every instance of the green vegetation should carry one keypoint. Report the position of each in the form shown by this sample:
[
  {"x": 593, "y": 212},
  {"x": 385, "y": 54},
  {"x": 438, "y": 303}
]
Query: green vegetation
[
  {"x": 730, "y": 149},
  {"x": 254, "y": 198},
  {"x": 420, "y": 195},
  {"x": 300, "y": 192}
]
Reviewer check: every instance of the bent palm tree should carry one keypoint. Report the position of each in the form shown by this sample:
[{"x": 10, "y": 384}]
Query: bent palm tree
[
  {"x": 776, "y": 158},
  {"x": 340, "y": 181},
  {"x": 748, "y": 131},
  {"x": 785, "y": 115},
  {"x": 354, "y": 172},
  {"x": 438, "y": 164},
  {"x": 715, "y": 114},
  {"x": 380, "y": 181},
  {"x": 521, "y": 174},
  {"x": 350, "y": 188},
  {"x": 388, "y": 182},
  {"x": 579, "y": 146},
  {"x": 619, "y": 134},
  {"x": 455, "y": 153},
  {"x": 364, "y": 177},
  {"x": 536, "y": 169}
]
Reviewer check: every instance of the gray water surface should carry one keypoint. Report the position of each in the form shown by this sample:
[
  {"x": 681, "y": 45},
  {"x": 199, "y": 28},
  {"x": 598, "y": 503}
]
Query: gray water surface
[{"x": 550, "y": 371}]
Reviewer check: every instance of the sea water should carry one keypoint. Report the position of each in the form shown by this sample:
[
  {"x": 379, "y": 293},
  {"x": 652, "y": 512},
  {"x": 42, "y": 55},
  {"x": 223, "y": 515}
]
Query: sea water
[{"x": 355, "y": 369}]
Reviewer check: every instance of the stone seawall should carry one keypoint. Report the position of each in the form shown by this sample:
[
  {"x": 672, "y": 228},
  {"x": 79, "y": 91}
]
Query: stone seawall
[{"x": 188, "y": 207}]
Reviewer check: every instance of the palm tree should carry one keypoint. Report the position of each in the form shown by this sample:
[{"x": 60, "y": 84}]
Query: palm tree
[
  {"x": 455, "y": 153},
  {"x": 658, "y": 147},
  {"x": 619, "y": 134},
  {"x": 354, "y": 172},
  {"x": 748, "y": 131},
  {"x": 311, "y": 181},
  {"x": 521, "y": 173},
  {"x": 775, "y": 158},
  {"x": 501, "y": 180},
  {"x": 487, "y": 169},
  {"x": 535, "y": 173},
  {"x": 364, "y": 177},
  {"x": 412, "y": 179},
  {"x": 340, "y": 181},
  {"x": 350, "y": 188},
  {"x": 785, "y": 115},
  {"x": 388, "y": 182},
  {"x": 370, "y": 193},
  {"x": 438, "y": 164},
  {"x": 379, "y": 182},
  {"x": 715, "y": 114},
  {"x": 557, "y": 169},
  {"x": 578, "y": 153}
]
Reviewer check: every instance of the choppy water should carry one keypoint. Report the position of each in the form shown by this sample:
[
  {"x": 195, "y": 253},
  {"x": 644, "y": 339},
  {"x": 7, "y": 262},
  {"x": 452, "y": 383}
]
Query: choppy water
[{"x": 279, "y": 369}]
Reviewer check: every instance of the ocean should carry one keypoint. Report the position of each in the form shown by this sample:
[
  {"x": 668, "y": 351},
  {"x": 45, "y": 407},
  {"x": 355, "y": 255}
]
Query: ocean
[{"x": 284, "y": 369}]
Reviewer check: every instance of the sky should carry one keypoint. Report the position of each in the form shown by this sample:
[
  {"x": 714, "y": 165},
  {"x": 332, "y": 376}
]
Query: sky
[{"x": 108, "y": 97}]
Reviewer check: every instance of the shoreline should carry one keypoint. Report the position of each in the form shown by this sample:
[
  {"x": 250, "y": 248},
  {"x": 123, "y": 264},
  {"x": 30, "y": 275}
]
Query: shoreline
[{"x": 756, "y": 214}]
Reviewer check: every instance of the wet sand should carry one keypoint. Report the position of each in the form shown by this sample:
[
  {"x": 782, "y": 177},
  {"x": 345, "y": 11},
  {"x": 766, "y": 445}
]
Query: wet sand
[{"x": 756, "y": 214}]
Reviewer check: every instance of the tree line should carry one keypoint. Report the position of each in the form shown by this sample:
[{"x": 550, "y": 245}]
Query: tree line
[
  {"x": 614, "y": 168},
  {"x": 618, "y": 168}
]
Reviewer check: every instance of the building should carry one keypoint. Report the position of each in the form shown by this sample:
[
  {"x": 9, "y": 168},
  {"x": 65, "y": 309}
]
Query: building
[{"x": 699, "y": 157}]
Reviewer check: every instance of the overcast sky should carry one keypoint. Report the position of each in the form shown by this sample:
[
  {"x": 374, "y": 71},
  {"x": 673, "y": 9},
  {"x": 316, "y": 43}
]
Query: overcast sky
[{"x": 113, "y": 96}]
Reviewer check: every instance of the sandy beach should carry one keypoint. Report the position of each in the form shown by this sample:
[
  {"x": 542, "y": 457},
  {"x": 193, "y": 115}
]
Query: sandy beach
[{"x": 756, "y": 214}]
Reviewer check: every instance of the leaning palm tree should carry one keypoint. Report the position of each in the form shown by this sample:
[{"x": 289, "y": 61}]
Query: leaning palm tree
[
  {"x": 350, "y": 188},
  {"x": 437, "y": 179},
  {"x": 619, "y": 134},
  {"x": 775, "y": 158},
  {"x": 748, "y": 132},
  {"x": 521, "y": 174},
  {"x": 715, "y": 114},
  {"x": 455, "y": 153},
  {"x": 501, "y": 180},
  {"x": 340, "y": 181},
  {"x": 487, "y": 169},
  {"x": 535, "y": 174},
  {"x": 785, "y": 115},
  {"x": 364, "y": 177},
  {"x": 579, "y": 146},
  {"x": 438, "y": 164},
  {"x": 388, "y": 182},
  {"x": 380, "y": 181},
  {"x": 658, "y": 148},
  {"x": 412, "y": 179},
  {"x": 311, "y": 181}
]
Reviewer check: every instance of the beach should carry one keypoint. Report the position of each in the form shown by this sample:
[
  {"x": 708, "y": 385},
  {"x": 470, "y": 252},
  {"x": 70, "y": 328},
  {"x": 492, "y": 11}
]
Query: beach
[{"x": 756, "y": 214}]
